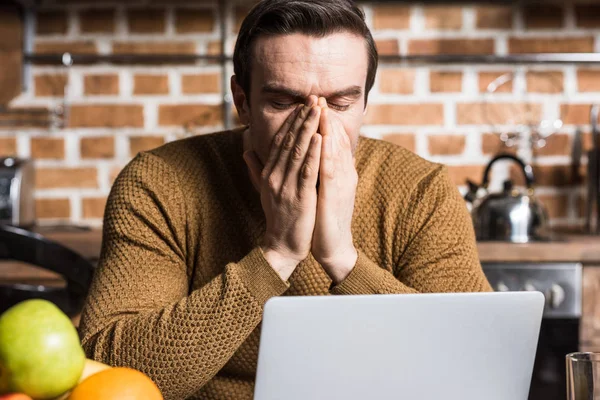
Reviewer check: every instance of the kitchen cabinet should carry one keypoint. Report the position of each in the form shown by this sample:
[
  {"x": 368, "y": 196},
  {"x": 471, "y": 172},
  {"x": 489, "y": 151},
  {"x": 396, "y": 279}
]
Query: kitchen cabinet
[{"x": 589, "y": 334}]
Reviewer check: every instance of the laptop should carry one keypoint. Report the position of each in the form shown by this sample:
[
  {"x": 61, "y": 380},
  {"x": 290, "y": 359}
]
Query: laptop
[{"x": 460, "y": 346}]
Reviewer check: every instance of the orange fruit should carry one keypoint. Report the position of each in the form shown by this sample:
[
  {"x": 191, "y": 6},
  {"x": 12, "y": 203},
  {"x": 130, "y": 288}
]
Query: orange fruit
[
  {"x": 117, "y": 384},
  {"x": 15, "y": 396}
]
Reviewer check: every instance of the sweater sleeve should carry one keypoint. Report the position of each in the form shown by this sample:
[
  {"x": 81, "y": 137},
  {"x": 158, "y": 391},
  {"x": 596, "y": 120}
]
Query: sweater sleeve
[
  {"x": 139, "y": 312},
  {"x": 441, "y": 252}
]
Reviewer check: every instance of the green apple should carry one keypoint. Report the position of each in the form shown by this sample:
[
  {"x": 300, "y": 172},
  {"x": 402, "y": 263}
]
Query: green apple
[{"x": 40, "y": 353}]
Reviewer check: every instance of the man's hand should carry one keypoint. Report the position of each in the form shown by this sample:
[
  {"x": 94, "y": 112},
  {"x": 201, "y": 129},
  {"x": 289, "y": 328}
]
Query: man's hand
[
  {"x": 287, "y": 185},
  {"x": 332, "y": 244}
]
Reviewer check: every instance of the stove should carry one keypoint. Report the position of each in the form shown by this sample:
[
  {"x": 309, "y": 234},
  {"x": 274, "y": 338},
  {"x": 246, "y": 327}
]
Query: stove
[{"x": 561, "y": 284}]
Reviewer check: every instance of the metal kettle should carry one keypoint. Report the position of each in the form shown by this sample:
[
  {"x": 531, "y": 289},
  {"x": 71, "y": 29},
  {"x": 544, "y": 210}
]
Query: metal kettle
[{"x": 512, "y": 215}]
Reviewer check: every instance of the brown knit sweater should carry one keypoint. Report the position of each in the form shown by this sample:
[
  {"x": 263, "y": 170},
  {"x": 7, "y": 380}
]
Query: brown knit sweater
[{"x": 181, "y": 284}]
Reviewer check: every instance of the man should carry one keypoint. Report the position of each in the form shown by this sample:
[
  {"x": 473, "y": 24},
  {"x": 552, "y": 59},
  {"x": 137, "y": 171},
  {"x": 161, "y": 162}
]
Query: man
[{"x": 200, "y": 233}]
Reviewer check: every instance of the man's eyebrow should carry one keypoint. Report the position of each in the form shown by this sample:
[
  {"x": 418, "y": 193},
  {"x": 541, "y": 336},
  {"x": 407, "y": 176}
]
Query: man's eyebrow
[
  {"x": 352, "y": 91},
  {"x": 275, "y": 89}
]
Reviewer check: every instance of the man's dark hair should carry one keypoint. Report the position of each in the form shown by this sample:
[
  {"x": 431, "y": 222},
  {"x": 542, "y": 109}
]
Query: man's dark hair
[{"x": 310, "y": 17}]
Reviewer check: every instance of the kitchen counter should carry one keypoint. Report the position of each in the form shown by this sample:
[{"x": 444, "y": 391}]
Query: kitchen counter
[
  {"x": 567, "y": 247},
  {"x": 570, "y": 247}
]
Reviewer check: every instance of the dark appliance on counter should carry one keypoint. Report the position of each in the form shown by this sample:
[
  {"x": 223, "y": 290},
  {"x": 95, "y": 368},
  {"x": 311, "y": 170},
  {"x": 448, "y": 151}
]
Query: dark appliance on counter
[
  {"x": 17, "y": 244},
  {"x": 17, "y": 204},
  {"x": 561, "y": 284},
  {"x": 512, "y": 215},
  {"x": 593, "y": 176}
]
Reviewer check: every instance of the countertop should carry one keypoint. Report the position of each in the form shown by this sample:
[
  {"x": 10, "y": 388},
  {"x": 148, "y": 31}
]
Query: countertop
[
  {"x": 570, "y": 247},
  {"x": 567, "y": 247}
]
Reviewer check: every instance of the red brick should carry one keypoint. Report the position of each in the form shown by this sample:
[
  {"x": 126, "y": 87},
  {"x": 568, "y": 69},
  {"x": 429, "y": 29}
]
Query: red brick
[
  {"x": 97, "y": 147},
  {"x": 575, "y": 113},
  {"x": 487, "y": 77},
  {"x": 388, "y": 47},
  {"x": 446, "y": 145},
  {"x": 397, "y": 80},
  {"x": 146, "y": 84},
  {"x": 556, "y": 205},
  {"x": 443, "y": 17},
  {"x": 144, "y": 20},
  {"x": 214, "y": 48},
  {"x": 405, "y": 114},
  {"x": 47, "y": 148},
  {"x": 75, "y": 47},
  {"x": 202, "y": 83},
  {"x": 450, "y": 46},
  {"x": 545, "y": 82},
  {"x": 494, "y": 17},
  {"x": 52, "y": 208},
  {"x": 101, "y": 84},
  {"x": 143, "y": 143},
  {"x": 51, "y": 22},
  {"x": 445, "y": 81},
  {"x": 406, "y": 140},
  {"x": 114, "y": 172},
  {"x": 588, "y": 80},
  {"x": 93, "y": 207},
  {"x": 497, "y": 113},
  {"x": 558, "y": 144},
  {"x": 109, "y": 116},
  {"x": 460, "y": 173},
  {"x": 556, "y": 175},
  {"x": 65, "y": 178},
  {"x": 26, "y": 116},
  {"x": 551, "y": 45},
  {"x": 50, "y": 85},
  {"x": 162, "y": 47},
  {"x": 10, "y": 78},
  {"x": 391, "y": 16},
  {"x": 546, "y": 175},
  {"x": 190, "y": 114},
  {"x": 492, "y": 144},
  {"x": 543, "y": 17},
  {"x": 194, "y": 20},
  {"x": 97, "y": 21},
  {"x": 8, "y": 146},
  {"x": 588, "y": 16}
]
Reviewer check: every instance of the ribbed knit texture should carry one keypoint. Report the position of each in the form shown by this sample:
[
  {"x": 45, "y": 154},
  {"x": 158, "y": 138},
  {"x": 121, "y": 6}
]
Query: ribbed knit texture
[{"x": 181, "y": 283}]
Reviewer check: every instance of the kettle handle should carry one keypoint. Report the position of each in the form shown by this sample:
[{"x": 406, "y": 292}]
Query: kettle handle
[{"x": 527, "y": 170}]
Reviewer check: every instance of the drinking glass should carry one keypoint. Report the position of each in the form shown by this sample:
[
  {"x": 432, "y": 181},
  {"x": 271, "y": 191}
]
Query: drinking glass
[{"x": 583, "y": 376}]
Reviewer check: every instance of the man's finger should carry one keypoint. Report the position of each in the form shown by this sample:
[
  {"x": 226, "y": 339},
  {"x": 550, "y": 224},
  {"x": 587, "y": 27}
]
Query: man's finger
[
  {"x": 302, "y": 123},
  {"x": 278, "y": 140},
  {"x": 310, "y": 168},
  {"x": 303, "y": 139},
  {"x": 327, "y": 166}
]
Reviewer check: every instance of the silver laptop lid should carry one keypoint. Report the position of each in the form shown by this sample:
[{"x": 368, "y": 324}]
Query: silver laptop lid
[{"x": 468, "y": 346}]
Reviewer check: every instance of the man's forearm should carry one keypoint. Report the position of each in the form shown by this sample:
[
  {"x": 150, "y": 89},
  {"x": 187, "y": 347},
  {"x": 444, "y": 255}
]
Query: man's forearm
[{"x": 183, "y": 345}]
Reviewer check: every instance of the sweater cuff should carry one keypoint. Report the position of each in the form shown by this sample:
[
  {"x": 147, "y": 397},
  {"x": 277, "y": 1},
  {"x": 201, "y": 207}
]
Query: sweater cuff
[
  {"x": 259, "y": 277},
  {"x": 365, "y": 278}
]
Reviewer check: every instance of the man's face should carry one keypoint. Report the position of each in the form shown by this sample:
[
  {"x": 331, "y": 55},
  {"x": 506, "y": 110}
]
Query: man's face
[{"x": 286, "y": 70}]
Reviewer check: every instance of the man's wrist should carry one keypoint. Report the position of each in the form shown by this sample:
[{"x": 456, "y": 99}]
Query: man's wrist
[
  {"x": 340, "y": 267},
  {"x": 284, "y": 266}
]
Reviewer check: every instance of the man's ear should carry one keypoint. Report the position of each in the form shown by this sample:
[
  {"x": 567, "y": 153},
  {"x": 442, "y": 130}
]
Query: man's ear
[{"x": 240, "y": 101}]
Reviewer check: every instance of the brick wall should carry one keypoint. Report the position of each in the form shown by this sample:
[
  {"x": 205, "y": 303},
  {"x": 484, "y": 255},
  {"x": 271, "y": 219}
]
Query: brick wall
[{"x": 434, "y": 110}]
